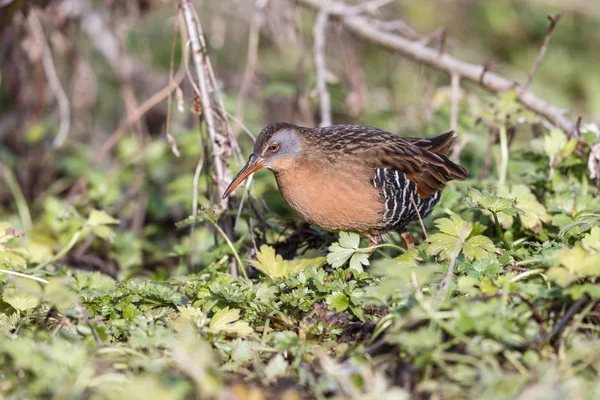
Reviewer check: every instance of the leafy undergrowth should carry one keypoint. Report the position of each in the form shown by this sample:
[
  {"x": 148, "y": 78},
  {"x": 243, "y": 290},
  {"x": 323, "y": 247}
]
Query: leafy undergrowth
[{"x": 500, "y": 301}]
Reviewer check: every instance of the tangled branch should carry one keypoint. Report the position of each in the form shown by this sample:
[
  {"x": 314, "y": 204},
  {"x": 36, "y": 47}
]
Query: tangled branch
[{"x": 369, "y": 29}]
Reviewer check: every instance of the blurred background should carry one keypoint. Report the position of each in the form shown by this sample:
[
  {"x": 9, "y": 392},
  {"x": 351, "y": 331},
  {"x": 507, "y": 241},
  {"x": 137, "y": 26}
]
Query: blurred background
[{"x": 73, "y": 72}]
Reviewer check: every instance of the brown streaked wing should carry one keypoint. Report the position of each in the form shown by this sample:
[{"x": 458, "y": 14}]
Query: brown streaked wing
[{"x": 379, "y": 149}]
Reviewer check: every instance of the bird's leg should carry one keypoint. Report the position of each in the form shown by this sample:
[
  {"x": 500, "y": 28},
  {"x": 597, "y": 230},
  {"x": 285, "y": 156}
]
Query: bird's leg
[
  {"x": 405, "y": 235},
  {"x": 374, "y": 240}
]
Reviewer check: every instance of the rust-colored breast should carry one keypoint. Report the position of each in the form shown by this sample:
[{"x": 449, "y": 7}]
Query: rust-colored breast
[{"x": 334, "y": 197}]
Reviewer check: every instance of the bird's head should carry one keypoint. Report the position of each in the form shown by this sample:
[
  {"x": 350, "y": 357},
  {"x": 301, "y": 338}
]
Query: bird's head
[{"x": 277, "y": 148}]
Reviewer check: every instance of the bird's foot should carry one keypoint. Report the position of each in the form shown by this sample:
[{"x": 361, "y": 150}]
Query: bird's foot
[
  {"x": 410, "y": 243},
  {"x": 374, "y": 241}
]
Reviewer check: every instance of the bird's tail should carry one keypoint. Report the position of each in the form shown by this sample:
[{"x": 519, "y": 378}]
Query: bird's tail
[{"x": 440, "y": 144}]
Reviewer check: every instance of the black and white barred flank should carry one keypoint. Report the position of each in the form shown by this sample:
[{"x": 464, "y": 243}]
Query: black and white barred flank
[{"x": 397, "y": 191}]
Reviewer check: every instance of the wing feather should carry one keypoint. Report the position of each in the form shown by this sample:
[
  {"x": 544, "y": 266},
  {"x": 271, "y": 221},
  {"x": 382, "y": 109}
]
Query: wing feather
[{"x": 422, "y": 160}]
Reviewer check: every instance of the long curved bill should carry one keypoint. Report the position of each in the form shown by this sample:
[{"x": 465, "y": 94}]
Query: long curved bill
[{"x": 254, "y": 164}]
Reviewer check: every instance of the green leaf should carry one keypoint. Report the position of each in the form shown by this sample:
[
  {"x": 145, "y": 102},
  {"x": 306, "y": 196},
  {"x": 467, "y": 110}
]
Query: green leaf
[
  {"x": 453, "y": 238},
  {"x": 591, "y": 241},
  {"x": 454, "y": 226},
  {"x": 576, "y": 291},
  {"x": 478, "y": 247},
  {"x": 275, "y": 266},
  {"x": 555, "y": 142},
  {"x": 347, "y": 248},
  {"x": 491, "y": 202},
  {"x": 98, "y": 221},
  {"x": 442, "y": 245},
  {"x": 59, "y": 295},
  {"x": 487, "y": 266},
  {"x": 576, "y": 263},
  {"x": 358, "y": 260},
  {"x": 454, "y": 231},
  {"x": 99, "y": 217},
  {"x": 19, "y": 299},
  {"x": 276, "y": 367},
  {"x": 228, "y": 321},
  {"x": 337, "y": 301},
  {"x": 11, "y": 256},
  {"x": 534, "y": 213}
]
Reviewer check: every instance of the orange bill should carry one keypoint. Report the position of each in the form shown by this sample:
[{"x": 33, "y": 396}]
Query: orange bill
[{"x": 254, "y": 164}]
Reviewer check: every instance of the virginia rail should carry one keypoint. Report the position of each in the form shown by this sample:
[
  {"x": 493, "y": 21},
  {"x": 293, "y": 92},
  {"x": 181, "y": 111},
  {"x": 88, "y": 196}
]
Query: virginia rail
[{"x": 354, "y": 178}]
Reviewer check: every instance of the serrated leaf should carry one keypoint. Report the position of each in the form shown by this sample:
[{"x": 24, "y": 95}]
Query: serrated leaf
[
  {"x": 346, "y": 248},
  {"x": 534, "y": 213},
  {"x": 275, "y": 266},
  {"x": 454, "y": 226},
  {"x": 441, "y": 245},
  {"x": 227, "y": 320},
  {"x": 99, "y": 218},
  {"x": 555, "y": 142},
  {"x": 14, "y": 257},
  {"x": 487, "y": 266},
  {"x": 491, "y": 202},
  {"x": 358, "y": 260},
  {"x": 99, "y": 221},
  {"x": 576, "y": 263},
  {"x": 455, "y": 232},
  {"x": 337, "y": 301},
  {"x": 576, "y": 291},
  {"x": 20, "y": 300},
  {"x": 591, "y": 240},
  {"x": 59, "y": 295},
  {"x": 478, "y": 247},
  {"x": 349, "y": 240},
  {"x": 338, "y": 255}
]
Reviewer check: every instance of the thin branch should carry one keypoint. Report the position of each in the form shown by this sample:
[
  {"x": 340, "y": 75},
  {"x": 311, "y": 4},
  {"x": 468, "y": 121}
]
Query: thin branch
[
  {"x": 244, "y": 127},
  {"x": 53, "y": 80},
  {"x": 170, "y": 139},
  {"x": 199, "y": 58},
  {"x": 369, "y": 7},
  {"x": 445, "y": 283},
  {"x": 553, "y": 22},
  {"x": 455, "y": 84},
  {"x": 419, "y": 216},
  {"x": 320, "y": 30},
  {"x": 366, "y": 28},
  {"x": 195, "y": 185},
  {"x": 560, "y": 325},
  {"x": 252, "y": 56},
  {"x": 137, "y": 114}
]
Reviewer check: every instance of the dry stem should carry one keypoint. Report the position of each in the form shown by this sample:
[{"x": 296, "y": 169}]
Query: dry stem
[{"x": 320, "y": 31}]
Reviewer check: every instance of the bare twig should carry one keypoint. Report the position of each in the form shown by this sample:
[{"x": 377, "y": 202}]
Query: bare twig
[
  {"x": 553, "y": 22},
  {"x": 455, "y": 83},
  {"x": 369, "y": 6},
  {"x": 321, "y": 69},
  {"x": 558, "y": 327},
  {"x": 243, "y": 200},
  {"x": 244, "y": 127},
  {"x": 445, "y": 283},
  {"x": 53, "y": 80},
  {"x": 578, "y": 124},
  {"x": 137, "y": 114},
  {"x": 251, "y": 58},
  {"x": 458, "y": 147},
  {"x": 195, "y": 185},
  {"x": 366, "y": 28},
  {"x": 199, "y": 57},
  {"x": 170, "y": 139},
  {"x": 419, "y": 216}
]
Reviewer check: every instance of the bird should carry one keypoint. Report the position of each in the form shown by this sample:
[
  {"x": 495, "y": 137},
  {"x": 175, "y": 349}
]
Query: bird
[{"x": 353, "y": 178}]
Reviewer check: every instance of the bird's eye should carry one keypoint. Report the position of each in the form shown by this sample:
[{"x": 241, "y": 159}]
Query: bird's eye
[{"x": 274, "y": 146}]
